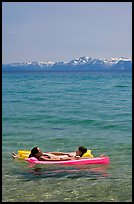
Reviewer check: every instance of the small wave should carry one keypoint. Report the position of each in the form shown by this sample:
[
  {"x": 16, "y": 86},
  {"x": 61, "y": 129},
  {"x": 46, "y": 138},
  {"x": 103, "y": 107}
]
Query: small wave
[
  {"x": 121, "y": 86},
  {"x": 71, "y": 121}
]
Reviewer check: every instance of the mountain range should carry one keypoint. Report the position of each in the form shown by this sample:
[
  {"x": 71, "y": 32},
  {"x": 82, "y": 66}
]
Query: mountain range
[{"x": 82, "y": 63}]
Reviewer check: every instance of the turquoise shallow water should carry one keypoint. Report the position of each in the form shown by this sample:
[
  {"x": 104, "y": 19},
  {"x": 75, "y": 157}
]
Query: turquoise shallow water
[{"x": 58, "y": 111}]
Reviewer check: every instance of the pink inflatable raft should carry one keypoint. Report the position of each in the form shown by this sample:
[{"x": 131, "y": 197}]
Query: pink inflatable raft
[{"x": 97, "y": 160}]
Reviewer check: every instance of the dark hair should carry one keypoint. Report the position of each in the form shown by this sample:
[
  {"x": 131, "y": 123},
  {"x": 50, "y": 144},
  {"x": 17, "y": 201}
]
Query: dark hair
[
  {"x": 82, "y": 149},
  {"x": 34, "y": 151}
]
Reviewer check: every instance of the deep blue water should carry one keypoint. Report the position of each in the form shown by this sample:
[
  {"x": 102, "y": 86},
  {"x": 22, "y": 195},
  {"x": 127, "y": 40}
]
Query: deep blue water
[{"x": 58, "y": 111}]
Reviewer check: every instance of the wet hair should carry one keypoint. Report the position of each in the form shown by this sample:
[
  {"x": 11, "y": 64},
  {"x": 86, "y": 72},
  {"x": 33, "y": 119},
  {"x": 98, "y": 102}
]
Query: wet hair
[
  {"x": 82, "y": 149},
  {"x": 34, "y": 151}
]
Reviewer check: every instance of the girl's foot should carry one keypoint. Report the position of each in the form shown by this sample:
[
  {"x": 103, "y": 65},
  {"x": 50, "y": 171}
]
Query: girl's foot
[{"x": 14, "y": 155}]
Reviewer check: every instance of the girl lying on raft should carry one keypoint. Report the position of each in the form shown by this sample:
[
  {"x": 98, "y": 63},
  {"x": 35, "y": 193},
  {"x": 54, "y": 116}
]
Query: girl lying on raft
[{"x": 37, "y": 152}]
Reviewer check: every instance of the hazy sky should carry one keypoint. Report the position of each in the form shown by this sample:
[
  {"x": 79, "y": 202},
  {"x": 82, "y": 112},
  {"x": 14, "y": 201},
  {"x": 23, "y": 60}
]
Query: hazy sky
[{"x": 62, "y": 31}]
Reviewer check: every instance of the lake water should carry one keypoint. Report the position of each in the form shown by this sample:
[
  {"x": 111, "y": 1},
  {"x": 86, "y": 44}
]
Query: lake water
[{"x": 58, "y": 111}]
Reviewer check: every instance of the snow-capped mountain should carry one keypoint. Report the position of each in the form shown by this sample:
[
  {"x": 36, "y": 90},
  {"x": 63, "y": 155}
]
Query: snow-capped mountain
[{"x": 84, "y": 63}]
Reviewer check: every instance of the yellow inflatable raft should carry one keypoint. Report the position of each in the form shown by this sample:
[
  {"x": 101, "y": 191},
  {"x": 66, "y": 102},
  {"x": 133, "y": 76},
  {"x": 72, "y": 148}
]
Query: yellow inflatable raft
[{"x": 23, "y": 153}]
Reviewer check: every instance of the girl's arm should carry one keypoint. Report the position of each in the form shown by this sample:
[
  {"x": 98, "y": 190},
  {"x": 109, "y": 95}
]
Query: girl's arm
[
  {"x": 63, "y": 153},
  {"x": 42, "y": 158}
]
